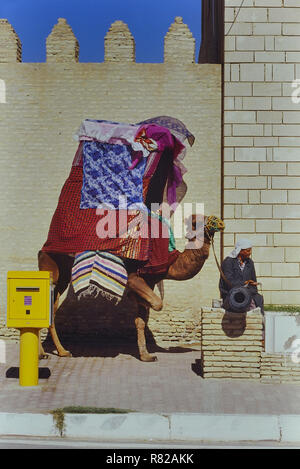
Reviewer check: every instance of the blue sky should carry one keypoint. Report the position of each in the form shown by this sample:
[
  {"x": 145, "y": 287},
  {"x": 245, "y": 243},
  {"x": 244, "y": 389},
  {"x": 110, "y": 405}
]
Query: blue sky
[{"x": 90, "y": 20}]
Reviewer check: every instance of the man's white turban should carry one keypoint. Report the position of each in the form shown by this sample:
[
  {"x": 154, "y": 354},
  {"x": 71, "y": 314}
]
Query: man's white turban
[{"x": 241, "y": 244}]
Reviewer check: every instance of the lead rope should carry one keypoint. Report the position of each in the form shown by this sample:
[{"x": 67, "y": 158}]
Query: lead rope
[{"x": 216, "y": 259}]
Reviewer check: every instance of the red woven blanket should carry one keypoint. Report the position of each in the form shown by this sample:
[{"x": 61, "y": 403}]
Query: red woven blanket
[{"x": 74, "y": 230}]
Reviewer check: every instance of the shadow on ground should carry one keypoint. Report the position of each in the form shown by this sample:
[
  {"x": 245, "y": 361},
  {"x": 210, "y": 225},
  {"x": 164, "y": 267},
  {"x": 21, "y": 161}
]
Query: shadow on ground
[
  {"x": 97, "y": 328},
  {"x": 197, "y": 367},
  {"x": 14, "y": 372},
  {"x": 111, "y": 347}
]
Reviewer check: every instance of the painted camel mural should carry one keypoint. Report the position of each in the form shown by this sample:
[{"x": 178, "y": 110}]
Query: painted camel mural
[
  {"x": 140, "y": 288},
  {"x": 143, "y": 162}
]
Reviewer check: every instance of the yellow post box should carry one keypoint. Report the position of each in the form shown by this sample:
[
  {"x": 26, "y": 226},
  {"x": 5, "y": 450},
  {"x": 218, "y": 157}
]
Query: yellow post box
[{"x": 29, "y": 308}]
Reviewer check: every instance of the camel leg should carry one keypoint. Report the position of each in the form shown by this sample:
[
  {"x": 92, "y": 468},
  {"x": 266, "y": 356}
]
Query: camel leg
[
  {"x": 141, "y": 341},
  {"x": 47, "y": 264},
  {"x": 42, "y": 353},
  {"x": 140, "y": 324},
  {"x": 139, "y": 286},
  {"x": 62, "y": 352}
]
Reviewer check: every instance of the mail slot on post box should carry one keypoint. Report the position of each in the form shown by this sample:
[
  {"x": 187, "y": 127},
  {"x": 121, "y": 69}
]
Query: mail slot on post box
[{"x": 29, "y": 299}]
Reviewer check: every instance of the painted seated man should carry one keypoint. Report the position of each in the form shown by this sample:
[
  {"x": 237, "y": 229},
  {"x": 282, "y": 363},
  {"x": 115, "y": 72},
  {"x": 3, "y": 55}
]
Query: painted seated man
[{"x": 239, "y": 270}]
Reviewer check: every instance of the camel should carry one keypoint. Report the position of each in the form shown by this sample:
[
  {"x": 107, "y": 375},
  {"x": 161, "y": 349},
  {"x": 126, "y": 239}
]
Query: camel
[{"x": 186, "y": 266}]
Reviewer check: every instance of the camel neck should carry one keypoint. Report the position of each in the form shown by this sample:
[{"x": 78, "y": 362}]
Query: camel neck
[{"x": 197, "y": 244}]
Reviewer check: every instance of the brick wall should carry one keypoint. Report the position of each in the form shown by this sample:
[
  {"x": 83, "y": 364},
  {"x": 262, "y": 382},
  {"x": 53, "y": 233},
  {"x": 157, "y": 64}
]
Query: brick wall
[
  {"x": 262, "y": 139},
  {"x": 231, "y": 344},
  {"x": 43, "y": 107},
  {"x": 279, "y": 368}
]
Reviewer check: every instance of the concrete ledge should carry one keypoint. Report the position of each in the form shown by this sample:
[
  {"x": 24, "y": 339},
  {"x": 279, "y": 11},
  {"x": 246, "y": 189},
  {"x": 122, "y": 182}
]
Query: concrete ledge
[
  {"x": 226, "y": 427},
  {"x": 133, "y": 426},
  {"x": 27, "y": 424},
  {"x": 147, "y": 427},
  {"x": 290, "y": 428}
]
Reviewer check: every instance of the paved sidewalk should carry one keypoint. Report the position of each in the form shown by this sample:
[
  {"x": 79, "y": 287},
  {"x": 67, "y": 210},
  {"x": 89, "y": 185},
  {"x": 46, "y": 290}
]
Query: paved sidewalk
[
  {"x": 112, "y": 376},
  {"x": 103, "y": 376}
]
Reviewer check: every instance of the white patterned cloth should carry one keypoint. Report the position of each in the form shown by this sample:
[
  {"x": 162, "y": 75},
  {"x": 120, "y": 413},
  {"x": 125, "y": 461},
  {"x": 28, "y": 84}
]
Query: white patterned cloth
[{"x": 111, "y": 132}]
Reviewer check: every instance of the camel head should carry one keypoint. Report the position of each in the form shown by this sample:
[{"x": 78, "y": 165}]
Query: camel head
[
  {"x": 199, "y": 225},
  {"x": 213, "y": 225}
]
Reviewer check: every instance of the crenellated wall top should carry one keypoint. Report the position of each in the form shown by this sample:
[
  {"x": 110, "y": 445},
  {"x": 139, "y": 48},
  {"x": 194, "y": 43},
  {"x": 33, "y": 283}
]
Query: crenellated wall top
[
  {"x": 119, "y": 44},
  {"x": 10, "y": 44},
  {"x": 179, "y": 43},
  {"x": 61, "y": 44}
]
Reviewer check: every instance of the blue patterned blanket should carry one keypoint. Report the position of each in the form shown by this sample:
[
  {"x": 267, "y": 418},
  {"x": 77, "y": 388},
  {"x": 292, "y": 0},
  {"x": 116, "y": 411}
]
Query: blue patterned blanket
[{"x": 107, "y": 177}]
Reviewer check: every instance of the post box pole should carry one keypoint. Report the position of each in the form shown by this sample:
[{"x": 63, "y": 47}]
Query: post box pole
[{"x": 29, "y": 357}]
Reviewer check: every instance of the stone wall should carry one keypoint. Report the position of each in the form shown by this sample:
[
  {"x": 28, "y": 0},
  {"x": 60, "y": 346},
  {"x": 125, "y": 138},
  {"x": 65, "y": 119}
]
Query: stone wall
[
  {"x": 279, "y": 368},
  {"x": 231, "y": 344},
  {"x": 43, "y": 107},
  {"x": 262, "y": 139}
]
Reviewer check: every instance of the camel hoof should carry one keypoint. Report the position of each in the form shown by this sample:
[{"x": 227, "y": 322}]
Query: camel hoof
[
  {"x": 157, "y": 306},
  {"x": 64, "y": 353},
  {"x": 148, "y": 358}
]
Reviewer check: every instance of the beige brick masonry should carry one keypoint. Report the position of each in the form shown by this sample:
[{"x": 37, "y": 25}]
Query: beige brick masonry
[
  {"x": 119, "y": 44},
  {"x": 261, "y": 131},
  {"x": 179, "y": 38},
  {"x": 279, "y": 368},
  {"x": 10, "y": 44},
  {"x": 231, "y": 344},
  {"x": 62, "y": 45},
  {"x": 233, "y": 348}
]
